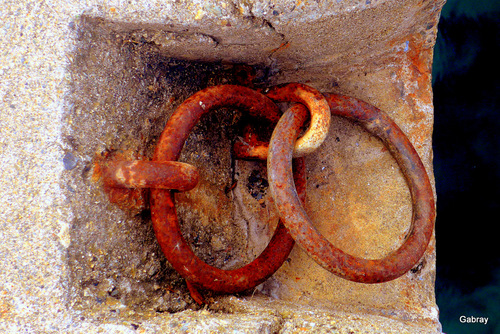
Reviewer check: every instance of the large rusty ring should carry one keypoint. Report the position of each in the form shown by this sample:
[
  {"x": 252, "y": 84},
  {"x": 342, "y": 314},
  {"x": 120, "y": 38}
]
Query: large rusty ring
[
  {"x": 164, "y": 216},
  {"x": 299, "y": 225}
]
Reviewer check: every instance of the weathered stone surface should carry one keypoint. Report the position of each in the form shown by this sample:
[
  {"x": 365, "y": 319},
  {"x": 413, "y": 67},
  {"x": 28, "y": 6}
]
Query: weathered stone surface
[{"x": 83, "y": 78}]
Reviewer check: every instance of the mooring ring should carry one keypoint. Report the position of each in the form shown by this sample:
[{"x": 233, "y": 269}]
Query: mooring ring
[
  {"x": 163, "y": 212},
  {"x": 300, "y": 226}
]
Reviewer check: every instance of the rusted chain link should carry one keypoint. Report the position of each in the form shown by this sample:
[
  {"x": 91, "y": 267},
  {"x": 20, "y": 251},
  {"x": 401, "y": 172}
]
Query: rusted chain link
[
  {"x": 149, "y": 174},
  {"x": 320, "y": 113},
  {"x": 313, "y": 136},
  {"x": 298, "y": 223},
  {"x": 165, "y": 221}
]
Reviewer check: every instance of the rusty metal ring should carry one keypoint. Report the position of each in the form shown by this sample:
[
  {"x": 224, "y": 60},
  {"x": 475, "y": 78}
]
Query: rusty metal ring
[
  {"x": 318, "y": 108},
  {"x": 163, "y": 212},
  {"x": 299, "y": 225}
]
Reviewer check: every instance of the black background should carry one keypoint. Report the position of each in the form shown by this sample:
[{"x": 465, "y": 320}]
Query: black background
[{"x": 466, "y": 143}]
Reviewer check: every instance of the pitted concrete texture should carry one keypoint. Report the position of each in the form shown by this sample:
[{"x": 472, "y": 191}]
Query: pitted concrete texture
[{"x": 81, "y": 79}]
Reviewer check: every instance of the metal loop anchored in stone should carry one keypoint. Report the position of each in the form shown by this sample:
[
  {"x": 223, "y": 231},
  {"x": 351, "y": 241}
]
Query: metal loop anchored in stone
[
  {"x": 298, "y": 223},
  {"x": 127, "y": 183},
  {"x": 163, "y": 212},
  {"x": 149, "y": 174}
]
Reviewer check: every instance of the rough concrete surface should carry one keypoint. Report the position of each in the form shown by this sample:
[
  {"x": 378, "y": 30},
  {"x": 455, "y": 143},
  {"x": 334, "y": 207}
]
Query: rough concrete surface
[{"x": 83, "y": 79}]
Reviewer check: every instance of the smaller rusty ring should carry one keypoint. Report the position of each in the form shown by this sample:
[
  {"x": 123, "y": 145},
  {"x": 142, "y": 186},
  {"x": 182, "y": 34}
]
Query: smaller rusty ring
[
  {"x": 300, "y": 226},
  {"x": 319, "y": 110},
  {"x": 163, "y": 212}
]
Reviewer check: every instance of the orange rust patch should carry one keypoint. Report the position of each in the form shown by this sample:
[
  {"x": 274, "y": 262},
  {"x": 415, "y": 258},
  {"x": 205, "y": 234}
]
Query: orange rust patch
[
  {"x": 5, "y": 306},
  {"x": 420, "y": 67},
  {"x": 420, "y": 133},
  {"x": 282, "y": 47}
]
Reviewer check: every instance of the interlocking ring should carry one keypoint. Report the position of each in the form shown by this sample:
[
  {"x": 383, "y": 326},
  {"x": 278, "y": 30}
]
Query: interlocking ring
[
  {"x": 163, "y": 213},
  {"x": 313, "y": 136},
  {"x": 164, "y": 173},
  {"x": 318, "y": 107},
  {"x": 300, "y": 226}
]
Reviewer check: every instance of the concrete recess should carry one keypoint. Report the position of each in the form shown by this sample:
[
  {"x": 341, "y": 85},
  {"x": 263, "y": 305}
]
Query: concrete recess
[{"x": 82, "y": 78}]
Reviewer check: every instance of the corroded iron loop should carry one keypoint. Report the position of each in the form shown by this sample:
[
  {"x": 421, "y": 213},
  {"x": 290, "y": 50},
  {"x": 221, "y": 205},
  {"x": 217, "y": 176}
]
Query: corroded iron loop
[
  {"x": 319, "y": 113},
  {"x": 298, "y": 223},
  {"x": 163, "y": 212},
  {"x": 149, "y": 174},
  {"x": 313, "y": 137}
]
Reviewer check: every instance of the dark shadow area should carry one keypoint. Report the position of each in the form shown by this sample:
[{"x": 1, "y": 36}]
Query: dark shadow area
[{"x": 467, "y": 167}]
